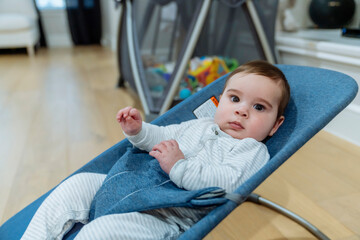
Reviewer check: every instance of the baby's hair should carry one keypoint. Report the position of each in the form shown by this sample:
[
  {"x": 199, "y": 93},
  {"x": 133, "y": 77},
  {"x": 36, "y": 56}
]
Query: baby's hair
[{"x": 263, "y": 68}]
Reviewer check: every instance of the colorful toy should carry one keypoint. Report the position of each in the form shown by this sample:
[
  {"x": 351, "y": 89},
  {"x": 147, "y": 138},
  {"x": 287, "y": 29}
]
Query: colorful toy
[
  {"x": 184, "y": 93},
  {"x": 201, "y": 72},
  {"x": 204, "y": 70}
]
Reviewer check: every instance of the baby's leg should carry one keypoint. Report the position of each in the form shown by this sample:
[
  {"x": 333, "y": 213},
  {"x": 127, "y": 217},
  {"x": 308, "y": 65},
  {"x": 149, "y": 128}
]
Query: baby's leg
[
  {"x": 129, "y": 226},
  {"x": 67, "y": 204}
]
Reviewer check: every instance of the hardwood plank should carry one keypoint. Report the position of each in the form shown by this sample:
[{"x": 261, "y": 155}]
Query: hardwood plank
[
  {"x": 278, "y": 189},
  {"x": 17, "y": 111},
  {"x": 248, "y": 221}
]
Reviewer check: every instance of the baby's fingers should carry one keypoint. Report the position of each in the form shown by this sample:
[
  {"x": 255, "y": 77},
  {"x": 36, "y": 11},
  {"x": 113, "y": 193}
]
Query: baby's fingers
[
  {"x": 123, "y": 114},
  {"x": 135, "y": 114},
  {"x": 158, "y": 147},
  {"x": 154, "y": 153},
  {"x": 119, "y": 116}
]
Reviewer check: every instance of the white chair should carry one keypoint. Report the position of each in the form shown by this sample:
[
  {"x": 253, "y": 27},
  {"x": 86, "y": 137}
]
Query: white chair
[{"x": 19, "y": 25}]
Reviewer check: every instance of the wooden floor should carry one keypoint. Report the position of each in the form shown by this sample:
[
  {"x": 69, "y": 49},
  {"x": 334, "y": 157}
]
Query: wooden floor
[{"x": 57, "y": 112}]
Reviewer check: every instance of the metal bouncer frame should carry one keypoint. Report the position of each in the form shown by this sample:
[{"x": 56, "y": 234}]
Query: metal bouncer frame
[{"x": 126, "y": 8}]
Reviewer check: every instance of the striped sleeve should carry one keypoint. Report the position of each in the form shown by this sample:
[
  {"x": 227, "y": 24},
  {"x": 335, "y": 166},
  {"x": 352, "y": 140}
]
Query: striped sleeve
[
  {"x": 151, "y": 134},
  {"x": 239, "y": 165}
]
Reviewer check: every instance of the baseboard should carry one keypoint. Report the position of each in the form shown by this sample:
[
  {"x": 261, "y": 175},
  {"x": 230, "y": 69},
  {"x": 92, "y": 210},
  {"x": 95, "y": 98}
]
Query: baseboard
[{"x": 346, "y": 125}]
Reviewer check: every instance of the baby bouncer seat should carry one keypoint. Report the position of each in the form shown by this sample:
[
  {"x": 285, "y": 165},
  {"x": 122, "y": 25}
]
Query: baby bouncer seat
[{"x": 317, "y": 96}]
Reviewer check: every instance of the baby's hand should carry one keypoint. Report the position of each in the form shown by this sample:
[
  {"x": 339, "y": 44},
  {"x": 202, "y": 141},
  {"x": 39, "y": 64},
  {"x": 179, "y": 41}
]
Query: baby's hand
[
  {"x": 167, "y": 153},
  {"x": 130, "y": 120}
]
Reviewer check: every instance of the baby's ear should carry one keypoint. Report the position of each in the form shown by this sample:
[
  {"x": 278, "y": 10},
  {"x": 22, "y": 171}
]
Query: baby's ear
[{"x": 276, "y": 126}]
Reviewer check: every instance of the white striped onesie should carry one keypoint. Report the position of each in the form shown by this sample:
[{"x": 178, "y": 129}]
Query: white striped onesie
[{"x": 212, "y": 158}]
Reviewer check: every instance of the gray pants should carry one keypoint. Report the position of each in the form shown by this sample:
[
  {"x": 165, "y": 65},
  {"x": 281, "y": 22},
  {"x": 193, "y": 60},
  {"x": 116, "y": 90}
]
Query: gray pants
[{"x": 70, "y": 203}]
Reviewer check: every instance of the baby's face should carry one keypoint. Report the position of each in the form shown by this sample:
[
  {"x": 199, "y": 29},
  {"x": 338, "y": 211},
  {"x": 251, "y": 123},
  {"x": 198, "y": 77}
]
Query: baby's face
[{"x": 248, "y": 107}]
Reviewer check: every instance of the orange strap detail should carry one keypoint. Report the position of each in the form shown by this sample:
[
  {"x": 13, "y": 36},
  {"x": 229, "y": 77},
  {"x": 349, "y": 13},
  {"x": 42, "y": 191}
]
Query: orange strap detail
[{"x": 215, "y": 101}]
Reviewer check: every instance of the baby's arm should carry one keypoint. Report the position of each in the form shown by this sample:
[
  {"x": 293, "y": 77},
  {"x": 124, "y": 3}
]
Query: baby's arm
[
  {"x": 229, "y": 173},
  {"x": 167, "y": 153},
  {"x": 150, "y": 134}
]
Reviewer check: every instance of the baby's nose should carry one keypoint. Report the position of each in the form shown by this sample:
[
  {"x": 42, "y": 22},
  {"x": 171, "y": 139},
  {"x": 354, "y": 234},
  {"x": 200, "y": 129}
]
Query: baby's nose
[{"x": 242, "y": 111}]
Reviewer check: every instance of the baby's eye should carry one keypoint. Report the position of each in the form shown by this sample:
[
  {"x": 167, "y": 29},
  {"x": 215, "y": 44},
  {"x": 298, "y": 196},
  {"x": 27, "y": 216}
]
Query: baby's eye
[
  {"x": 234, "y": 99},
  {"x": 259, "y": 107}
]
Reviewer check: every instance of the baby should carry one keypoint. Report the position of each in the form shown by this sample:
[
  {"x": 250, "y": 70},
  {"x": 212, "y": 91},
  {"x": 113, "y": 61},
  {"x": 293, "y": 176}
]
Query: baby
[{"x": 223, "y": 151}]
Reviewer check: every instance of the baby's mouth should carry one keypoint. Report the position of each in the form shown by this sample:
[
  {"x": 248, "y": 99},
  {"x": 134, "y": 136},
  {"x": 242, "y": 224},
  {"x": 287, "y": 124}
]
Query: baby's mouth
[{"x": 236, "y": 125}]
